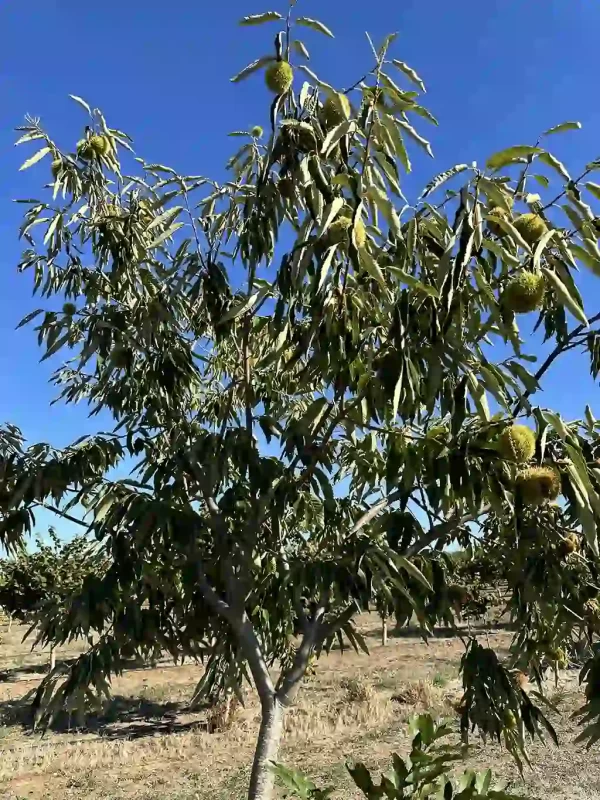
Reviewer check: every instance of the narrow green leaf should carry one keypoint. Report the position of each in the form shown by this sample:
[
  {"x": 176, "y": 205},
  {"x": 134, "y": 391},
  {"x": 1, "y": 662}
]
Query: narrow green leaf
[
  {"x": 416, "y": 136},
  {"x": 325, "y": 266},
  {"x": 251, "y": 68},
  {"x": 29, "y": 137},
  {"x": 391, "y": 126},
  {"x": 593, "y": 188},
  {"x": 441, "y": 178},
  {"x": 541, "y": 246},
  {"x": 371, "y": 266},
  {"x": 330, "y": 213},
  {"x": 552, "y": 161},
  {"x": 408, "y": 566},
  {"x": 588, "y": 259},
  {"x": 508, "y": 156},
  {"x": 35, "y": 158},
  {"x": 165, "y": 219},
  {"x": 542, "y": 180},
  {"x": 237, "y": 309},
  {"x": 413, "y": 282},
  {"x": 165, "y": 235},
  {"x": 81, "y": 102},
  {"x": 565, "y": 297},
  {"x": 564, "y": 126},
  {"x": 334, "y": 135},
  {"x": 313, "y": 75},
  {"x": 258, "y": 19},
  {"x": 315, "y": 25},
  {"x": 410, "y": 74},
  {"x": 301, "y": 49}
]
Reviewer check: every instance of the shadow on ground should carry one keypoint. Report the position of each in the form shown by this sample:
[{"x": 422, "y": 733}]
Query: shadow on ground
[
  {"x": 122, "y": 717},
  {"x": 13, "y": 674}
]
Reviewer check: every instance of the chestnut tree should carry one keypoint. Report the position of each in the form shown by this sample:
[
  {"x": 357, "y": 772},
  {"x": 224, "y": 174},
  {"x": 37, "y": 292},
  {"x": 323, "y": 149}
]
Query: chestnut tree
[{"x": 300, "y": 365}]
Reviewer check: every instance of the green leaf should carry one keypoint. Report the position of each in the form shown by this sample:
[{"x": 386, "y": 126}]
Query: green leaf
[
  {"x": 81, "y": 102},
  {"x": 390, "y": 124},
  {"x": 588, "y": 259},
  {"x": 552, "y": 161},
  {"x": 237, "y": 309},
  {"x": 383, "y": 203},
  {"x": 410, "y": 74},
  {"x": 35, "y": 158},
  {"x": 408, "y": 566},
  {"x": 253, "y": 67},
  {"x": 371, "y": 266},
  {"x": 565, "y": 297},
  {"x": 441, "y": 178},
  {"x": 593, "y": 188},
  {"x": 315, "y": 25},
  {"x": 166, "y": 218},
  {"x": 508, "y": 156},
  {"x": 165, "y": 235},
  {"x": 300, "y": 48},
  {"x": 330, "y": 213},
  {"x": 313, "y": 76},
  {"x": 324, "y": 271},
  {"x": 542, "y": 180},
  {"x": 414, "y": 283},
  {"x": 541, "y": 246},
  {"x": 564, "y": 126},
  {"x": 258, "y": 19},
  {"x": 416, "y": 136},
  {"x": 334, "y": 135}
]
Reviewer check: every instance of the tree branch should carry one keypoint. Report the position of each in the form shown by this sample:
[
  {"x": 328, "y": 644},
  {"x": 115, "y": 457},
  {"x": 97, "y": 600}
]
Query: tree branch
[
  {"x": 246, "y": 635},
  {"x": 560, "y": 348},
  {"x": 374, "y": 510},
  {"x": 440, "y": 530},
  {"x": 290, "y": 681},
  {"x": 62, "y": 514}
]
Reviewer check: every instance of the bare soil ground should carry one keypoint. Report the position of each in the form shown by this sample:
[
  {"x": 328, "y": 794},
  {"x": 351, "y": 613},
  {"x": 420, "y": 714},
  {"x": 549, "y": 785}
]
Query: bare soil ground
[{"x": 146, "y": 743}]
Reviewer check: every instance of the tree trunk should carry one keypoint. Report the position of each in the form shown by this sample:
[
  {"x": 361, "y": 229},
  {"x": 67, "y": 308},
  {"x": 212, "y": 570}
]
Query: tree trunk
[
  {"x": 384, "y": 631},
  {"x": 262, "y": 780},
  {"x": 52, "y": 658}
]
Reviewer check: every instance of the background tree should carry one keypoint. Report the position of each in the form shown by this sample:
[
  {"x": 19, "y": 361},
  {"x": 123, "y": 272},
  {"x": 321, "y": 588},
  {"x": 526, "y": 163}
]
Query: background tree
[
  {"x": 300, "y": 367},
  {"x": 37, "y": 584}
]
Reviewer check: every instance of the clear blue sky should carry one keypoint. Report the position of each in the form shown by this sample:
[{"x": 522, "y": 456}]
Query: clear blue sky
[{"x": 498, "y": 73}]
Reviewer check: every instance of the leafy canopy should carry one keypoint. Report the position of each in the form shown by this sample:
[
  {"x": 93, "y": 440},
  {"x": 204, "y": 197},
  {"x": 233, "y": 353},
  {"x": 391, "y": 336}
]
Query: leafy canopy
[{"x": 310, "y": 374}]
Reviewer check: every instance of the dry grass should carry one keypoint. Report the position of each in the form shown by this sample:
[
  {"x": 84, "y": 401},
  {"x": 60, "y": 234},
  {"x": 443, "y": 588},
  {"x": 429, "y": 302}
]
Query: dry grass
[{"x": 148, "y": 745}]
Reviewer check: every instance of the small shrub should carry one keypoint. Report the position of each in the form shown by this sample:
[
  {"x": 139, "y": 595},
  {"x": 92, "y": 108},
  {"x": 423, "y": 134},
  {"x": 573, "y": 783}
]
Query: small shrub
[{"x": 423, "y": 775}]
